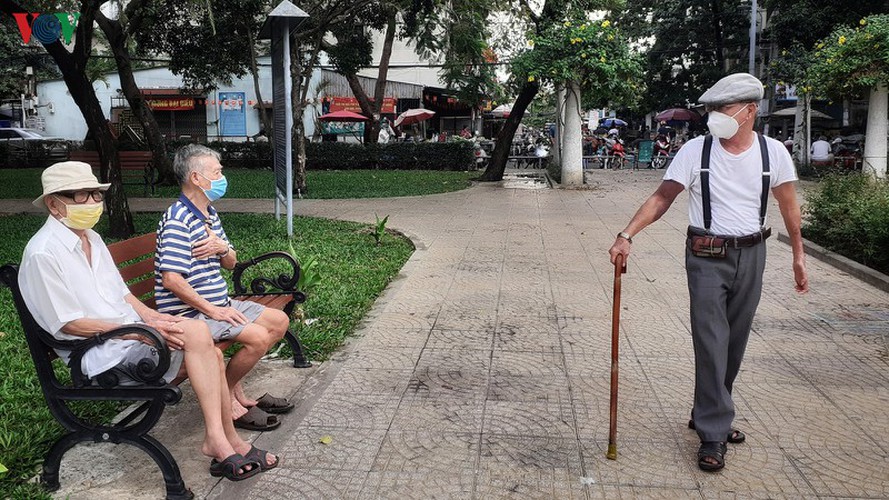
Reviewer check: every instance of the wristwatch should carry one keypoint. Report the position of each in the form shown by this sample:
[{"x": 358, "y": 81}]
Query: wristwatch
[{"x": 625, "y": 236}]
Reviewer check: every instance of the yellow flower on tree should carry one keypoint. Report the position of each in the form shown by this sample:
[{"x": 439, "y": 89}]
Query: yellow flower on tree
[
  {"x": 606, "y": 23},
  {"x": 842, "y": 39},
  {"x": 567, "y": 24},
  {"x": 862, "y": 22},
  {"x": 610, "y": 37},
  {"x": 602, "y": 59},
  {"x": 531, "y": 78}
]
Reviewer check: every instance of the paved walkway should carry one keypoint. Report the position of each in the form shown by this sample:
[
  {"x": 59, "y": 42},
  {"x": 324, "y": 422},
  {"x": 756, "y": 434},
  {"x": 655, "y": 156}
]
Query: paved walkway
[{"x": 483, "y": 372}]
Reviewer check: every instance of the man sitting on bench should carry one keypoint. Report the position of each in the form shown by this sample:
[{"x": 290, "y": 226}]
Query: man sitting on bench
[
  {"x": 73, "y": 289},
  {"x": 192, "y": 248}
]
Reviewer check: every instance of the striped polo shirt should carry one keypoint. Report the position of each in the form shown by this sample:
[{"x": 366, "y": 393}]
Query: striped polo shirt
[{"x": 181, "y": 227}]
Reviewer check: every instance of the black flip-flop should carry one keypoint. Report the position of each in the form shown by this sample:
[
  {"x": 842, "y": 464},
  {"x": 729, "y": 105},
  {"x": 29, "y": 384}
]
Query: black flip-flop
[
  {"x": 271, "y": 404},
  {"x": 714, "y": 450},
  {"x": 261, "y": 456},
  {"x": 735, "y": 436},
  {"x": 257, "y": 420},
  {"x": 234, "y": 466}
]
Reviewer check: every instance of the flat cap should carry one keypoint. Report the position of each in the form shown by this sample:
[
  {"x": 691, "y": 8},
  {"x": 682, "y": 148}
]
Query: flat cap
[{"x": 738, "y": 87}]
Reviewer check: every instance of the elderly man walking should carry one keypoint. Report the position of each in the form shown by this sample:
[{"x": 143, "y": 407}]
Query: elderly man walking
[
  {"x": 73, "y": 289},
  {"x": 729, "y": 175},
  {"x": 192, "y": 248}
]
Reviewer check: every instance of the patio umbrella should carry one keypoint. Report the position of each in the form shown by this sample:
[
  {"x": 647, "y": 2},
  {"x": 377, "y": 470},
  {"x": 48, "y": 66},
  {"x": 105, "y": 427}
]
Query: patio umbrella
[
  {"x": 502, "y": 111},
  {"x": 677, "y": 114},
  {"x": 412, "y": 116},
  {"x": 612, "y": 122},
  {"x": 816, "y": 115},
  {"x": 342, "y": 116}
]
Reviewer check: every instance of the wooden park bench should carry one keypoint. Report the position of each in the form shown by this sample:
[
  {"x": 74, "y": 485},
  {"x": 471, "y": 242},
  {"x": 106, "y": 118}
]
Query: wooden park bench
[
  {"x": 135, "y": 258},
  {"x": 136, "y": 167}
]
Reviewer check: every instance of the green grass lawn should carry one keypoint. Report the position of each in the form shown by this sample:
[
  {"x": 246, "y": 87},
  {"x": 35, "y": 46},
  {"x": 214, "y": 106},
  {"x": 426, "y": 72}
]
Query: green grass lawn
[
  {"x": 352, "y": 271},
  {"x": 244, "y": 183}
]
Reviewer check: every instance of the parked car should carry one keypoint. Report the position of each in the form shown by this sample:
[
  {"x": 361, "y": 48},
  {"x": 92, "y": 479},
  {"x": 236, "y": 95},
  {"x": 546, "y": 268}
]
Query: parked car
[{"x": 28, "y": 143}]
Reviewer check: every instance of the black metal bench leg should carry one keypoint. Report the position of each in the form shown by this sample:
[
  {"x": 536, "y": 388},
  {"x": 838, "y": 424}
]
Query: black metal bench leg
[
  {"x": 299, "y": 357},
  {"x": 176, "y": 489},
  {"x": 50, "y": 477}
]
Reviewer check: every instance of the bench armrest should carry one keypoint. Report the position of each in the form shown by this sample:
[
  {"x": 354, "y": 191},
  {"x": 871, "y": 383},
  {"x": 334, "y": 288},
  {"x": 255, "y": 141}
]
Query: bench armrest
[
  {"x": 262, "y": 284},
  {"x": 146, "y": 370}
]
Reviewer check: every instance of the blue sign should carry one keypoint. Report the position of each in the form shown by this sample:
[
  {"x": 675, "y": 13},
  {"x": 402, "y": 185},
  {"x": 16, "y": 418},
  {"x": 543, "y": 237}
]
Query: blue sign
[{"x": 232, "y": 114}]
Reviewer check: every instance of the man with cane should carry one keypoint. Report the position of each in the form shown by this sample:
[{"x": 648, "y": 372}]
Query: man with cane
[{"x": 728, "y": 174}]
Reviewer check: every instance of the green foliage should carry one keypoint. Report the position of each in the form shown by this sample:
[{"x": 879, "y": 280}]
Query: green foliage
[
  {"x": 14, "y": 58},
  {"x": 456, "y": 155},
  {"x": 204, "y": 53},
  {"x": 850, "y": 215},
  {"x": 852, "y": 59},
  {"x": 354, "y": 275},
  {"x": 591, "y": 53},
  {"x": 791, "y": 67},
  {"x": 309, "y": 277},
  {"x": 25, "y": 183},
  {"x": 805, "y": 22},
  {"x": 688, "y": 45},
  {"x": 380, "y": 229}
]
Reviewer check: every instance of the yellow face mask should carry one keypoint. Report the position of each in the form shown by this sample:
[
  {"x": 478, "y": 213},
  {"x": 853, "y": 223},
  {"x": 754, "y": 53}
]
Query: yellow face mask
[{"x": 82, "y": 216}]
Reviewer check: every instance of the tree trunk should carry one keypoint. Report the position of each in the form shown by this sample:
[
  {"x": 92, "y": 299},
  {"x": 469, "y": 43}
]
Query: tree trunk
[
  {"x": 875, "y": 139},
  {"x": 560, "y": 115},
  {"x": 716, "y": 7},
  {"x": 117, "y": 40},
  {"x": 267, "y": 124},
  {"x": 572, "y": 153},
  {"x": 300, "y": 186},
  {"x": 497, "y": 165},
  {"x": 373, "y": 108},
  {"x": 800, "y": 152},
  {"x": 73, "y": 68},
  {"x": 368, "y": 108}
]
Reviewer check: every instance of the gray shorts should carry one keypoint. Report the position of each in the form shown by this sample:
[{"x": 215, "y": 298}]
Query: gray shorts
[
  {"x": 223, "y": 330},
  {"x": 126, "y": 369}
]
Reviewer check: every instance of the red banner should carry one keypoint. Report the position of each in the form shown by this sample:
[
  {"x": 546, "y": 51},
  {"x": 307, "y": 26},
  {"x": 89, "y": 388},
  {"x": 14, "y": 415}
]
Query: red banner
[
  {"x": 171, "y": 103},
  {"x": 351, "y": 104}
]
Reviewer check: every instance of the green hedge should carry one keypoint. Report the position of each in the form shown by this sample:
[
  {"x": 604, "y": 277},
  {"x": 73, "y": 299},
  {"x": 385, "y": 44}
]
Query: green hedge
[
  {"x": 456, "y": 155},
  {"x": 849, "y": 214}
]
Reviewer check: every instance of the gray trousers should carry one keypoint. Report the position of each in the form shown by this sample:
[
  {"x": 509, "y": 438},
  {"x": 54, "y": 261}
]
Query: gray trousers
[{"x": 724, "y": 296}]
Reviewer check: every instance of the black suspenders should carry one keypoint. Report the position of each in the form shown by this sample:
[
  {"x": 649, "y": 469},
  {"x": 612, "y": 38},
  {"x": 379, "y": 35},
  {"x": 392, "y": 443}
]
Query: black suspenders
[{"x": 705, "y": 180}]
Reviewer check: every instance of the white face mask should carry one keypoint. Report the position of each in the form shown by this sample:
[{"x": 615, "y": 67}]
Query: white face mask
[{"x": 723, "y": 126}]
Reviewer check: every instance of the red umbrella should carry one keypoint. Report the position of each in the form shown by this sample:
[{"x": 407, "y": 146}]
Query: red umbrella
[
  {"x": 342, "y": 116},
  {"x": 677, "y": 114}
]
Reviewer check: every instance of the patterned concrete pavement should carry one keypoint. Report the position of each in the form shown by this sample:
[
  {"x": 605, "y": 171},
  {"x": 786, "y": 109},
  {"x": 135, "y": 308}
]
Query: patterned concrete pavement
[{"x": 484, "y": 370}]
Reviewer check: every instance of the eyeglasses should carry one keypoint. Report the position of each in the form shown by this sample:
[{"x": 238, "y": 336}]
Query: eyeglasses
[{"x": 83, "y": 196}]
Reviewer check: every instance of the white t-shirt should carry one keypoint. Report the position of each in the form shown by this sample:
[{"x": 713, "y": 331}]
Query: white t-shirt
[
  {"x": 820, "y": 150},
  {"x": 735, "y": 183},
  {"x": 58, "y": 286}
]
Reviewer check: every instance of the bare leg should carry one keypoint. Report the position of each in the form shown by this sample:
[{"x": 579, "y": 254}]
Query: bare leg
[
  {"x": 203, "y": 362},
  {"x": 256, "y": 338}
]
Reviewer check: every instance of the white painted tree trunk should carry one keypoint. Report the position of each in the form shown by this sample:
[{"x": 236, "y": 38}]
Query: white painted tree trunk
[
  {"x": 560, "y": 116},
  {"x": 875, "y": 139},
  {"x": 801, "y": 140},
  {"x": 572, "y": 146}
]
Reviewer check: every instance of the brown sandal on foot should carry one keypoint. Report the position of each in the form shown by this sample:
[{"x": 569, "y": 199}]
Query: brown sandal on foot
[{"x": 257, "y": 420}]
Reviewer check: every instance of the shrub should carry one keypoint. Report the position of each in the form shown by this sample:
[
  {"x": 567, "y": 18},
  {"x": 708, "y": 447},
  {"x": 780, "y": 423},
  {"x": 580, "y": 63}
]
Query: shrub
[
  {"x": 457, "y": 155},
  {"x": 849, "y": 214}
]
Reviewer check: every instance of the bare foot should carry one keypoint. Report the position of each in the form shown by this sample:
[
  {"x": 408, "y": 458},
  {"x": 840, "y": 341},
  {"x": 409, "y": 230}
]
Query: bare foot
[
  {"x": 238, "y": 394},
  {"x": 244, "y": 447},
  {"x": 238, "y": 409}
]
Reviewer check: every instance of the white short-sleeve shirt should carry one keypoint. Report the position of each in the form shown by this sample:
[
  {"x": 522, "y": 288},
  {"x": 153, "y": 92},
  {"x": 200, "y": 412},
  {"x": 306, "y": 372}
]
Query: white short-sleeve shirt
[
  {"x": 735, "y": 183},
  {"x": 59, "y": 286}
]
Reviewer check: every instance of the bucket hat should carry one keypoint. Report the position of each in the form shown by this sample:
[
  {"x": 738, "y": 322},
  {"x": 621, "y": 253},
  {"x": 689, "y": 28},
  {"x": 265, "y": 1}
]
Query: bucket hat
[{"x": 67, "y": 176}]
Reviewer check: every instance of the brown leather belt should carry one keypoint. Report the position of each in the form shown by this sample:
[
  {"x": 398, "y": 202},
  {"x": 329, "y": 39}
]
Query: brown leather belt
[{"x": 738, "y": 241}]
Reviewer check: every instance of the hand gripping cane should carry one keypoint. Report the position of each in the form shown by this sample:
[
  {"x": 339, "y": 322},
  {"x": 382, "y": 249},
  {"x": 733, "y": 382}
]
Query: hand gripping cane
[{"x": 620, "y": 267}]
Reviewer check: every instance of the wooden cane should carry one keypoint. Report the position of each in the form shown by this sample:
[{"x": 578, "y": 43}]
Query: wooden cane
[{"x": 620, "y": 267}]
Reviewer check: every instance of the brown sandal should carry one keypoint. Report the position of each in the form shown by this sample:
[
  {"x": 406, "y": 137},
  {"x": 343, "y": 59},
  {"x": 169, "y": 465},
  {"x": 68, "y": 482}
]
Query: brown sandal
[{"x": 257, "y": 420}]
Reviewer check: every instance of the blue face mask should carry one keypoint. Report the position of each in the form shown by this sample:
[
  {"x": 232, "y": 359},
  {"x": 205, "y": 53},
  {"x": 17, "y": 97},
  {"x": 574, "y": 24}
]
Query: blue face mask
[{"x": 217, "y": 187}]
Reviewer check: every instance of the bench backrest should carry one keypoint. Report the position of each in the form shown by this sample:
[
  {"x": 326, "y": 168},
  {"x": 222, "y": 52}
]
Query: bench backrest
[
  {"x": 135, "y": 259},
  {"x": 129, "y": 160}
]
